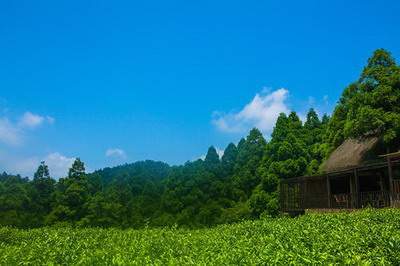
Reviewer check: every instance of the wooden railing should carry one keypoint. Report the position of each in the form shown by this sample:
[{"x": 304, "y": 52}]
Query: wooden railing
[
  {"x": 343, "y": 201},
  {"x": 375, "y": 199},
  {"x": 296, "y": 200},
  {"x": 396, "y": 186},
  {"x": 396, "y": 193}
]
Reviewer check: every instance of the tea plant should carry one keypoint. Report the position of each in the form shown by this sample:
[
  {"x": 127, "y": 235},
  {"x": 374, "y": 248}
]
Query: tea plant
[{"x": 365, "y": 237}]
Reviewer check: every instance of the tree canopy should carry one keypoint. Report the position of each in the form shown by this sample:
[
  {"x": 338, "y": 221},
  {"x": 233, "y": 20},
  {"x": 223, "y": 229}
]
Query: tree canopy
[{"x": 371, "y": 105}]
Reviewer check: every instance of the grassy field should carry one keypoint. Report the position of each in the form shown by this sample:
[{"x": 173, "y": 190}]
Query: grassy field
[{"x": 365, "y": 237}]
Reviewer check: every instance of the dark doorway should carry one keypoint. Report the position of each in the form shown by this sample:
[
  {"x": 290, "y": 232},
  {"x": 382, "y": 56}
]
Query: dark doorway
[
  {"x": 340, "y": 184},
  {"x": 371, "y": 181}
]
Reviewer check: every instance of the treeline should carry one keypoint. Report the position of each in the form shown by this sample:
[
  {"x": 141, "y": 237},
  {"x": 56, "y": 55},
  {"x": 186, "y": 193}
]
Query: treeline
[
  {"x": 240, "y": 185},
  {"x": 243, "y": 184}
]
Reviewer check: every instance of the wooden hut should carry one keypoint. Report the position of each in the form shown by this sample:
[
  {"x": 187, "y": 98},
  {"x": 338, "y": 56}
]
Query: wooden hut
[{"x": 356, "y": 175}]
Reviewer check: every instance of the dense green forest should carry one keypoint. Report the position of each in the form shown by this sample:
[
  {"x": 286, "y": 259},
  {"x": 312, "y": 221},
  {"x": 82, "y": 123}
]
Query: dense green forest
[{"x": 243, "y": 184}]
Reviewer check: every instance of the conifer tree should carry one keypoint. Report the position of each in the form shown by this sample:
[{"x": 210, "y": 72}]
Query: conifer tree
[{"x": 371, "y": 105}]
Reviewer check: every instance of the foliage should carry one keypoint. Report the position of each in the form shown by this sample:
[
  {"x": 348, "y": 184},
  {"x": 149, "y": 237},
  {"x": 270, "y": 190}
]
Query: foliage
[
  {"x": 371, "y": 105},
  {"x": 250, "y": 153},
  {"x": 369, "y": 237}
]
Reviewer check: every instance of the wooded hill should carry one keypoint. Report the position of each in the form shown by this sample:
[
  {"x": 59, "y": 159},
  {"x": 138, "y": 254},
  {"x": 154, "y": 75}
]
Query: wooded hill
[{"x": 243, "y": 184}]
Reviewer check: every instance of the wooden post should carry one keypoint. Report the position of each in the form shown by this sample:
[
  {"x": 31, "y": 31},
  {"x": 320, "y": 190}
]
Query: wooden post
[
  {"x": 390, "y": 173},
  {"x": 328, "y": 188},
  {"x": 381, "y": 183},
  {"x": 352, "y": 192},
  {"x": 357, "y": 189}
]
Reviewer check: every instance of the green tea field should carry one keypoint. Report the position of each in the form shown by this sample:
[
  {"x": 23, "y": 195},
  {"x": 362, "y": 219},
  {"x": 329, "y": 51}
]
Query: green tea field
[{"x": 368, "y": 237}]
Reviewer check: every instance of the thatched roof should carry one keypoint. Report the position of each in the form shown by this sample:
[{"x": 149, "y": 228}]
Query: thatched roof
[{"x": 351, "y": 153}]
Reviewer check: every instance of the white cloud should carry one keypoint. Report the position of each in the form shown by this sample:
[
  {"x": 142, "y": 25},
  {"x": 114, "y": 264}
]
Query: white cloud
[
  {"x": 116, "y": 153},
  {"x": 13, "y": 132},
  {"x": 261, "y": 112},
  {"x": 220, "y": 153},
  {"x": 50, "y": 119},
  {"x": 9, "y": 134},
  {"x": 325, "y": 99},
  {"x": 22, "y": 166},
  {"x": 311, "y": 100},
  {"x": 26, "y": 166},
  {"x": 30, "y": 120},
  {"x": 58, "y": 164},
  {"x": 320, "y": 105},
  {"x": 302, "y": 117}
]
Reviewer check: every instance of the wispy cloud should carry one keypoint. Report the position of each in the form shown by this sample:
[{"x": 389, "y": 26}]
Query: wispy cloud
[
  {"x": 261, "y": 112},
  {"x": 326, "y": 99},
  {"x": 115, "y": 153},
  {"x": 12, "y": 132},
  {"x": 320, "y": 105},
  {"x": 30, "y": 120},
  {"x": 9, "y": 133},
  {"x": 50, "y": 119}
]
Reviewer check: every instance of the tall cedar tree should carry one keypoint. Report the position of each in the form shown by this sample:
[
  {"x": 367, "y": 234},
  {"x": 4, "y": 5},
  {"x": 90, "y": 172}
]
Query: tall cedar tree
[
  {"x": 371, "y": 105},
  {"x": 42, "y": 193}
]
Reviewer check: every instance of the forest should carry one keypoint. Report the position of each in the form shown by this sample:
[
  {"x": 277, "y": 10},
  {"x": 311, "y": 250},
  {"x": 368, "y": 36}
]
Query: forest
[{"x": 241, "y": 185}]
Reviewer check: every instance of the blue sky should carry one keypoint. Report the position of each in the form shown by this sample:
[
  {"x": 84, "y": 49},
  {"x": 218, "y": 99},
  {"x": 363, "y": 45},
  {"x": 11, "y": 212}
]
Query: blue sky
[{"x": 120, "y": 81}]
